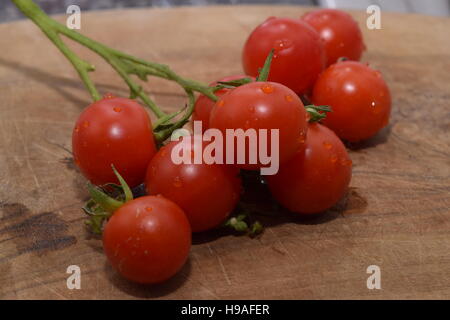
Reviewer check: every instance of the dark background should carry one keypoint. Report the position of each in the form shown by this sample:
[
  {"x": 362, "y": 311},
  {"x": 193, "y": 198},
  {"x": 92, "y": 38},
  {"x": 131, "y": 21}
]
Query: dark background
[{"x": 9, "y": 12}]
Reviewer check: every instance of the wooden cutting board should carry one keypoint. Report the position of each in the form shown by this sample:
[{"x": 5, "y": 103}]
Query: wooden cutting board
[{"x": 396, "y": 216}]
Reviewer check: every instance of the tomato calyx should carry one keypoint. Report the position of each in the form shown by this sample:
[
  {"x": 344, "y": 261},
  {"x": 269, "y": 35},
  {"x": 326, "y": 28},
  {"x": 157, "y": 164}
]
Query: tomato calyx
[
  {"x": 317, "y": 113},
  {"x": 105, "y": 201},
  {"x": 243, "y": 223},
  {"x": 341, "y": 59},
  {"x": 232, "y": 83},
  {"x": 263, "y": 73}
]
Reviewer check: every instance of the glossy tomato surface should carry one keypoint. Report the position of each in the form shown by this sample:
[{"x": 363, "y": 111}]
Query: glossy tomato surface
[
  {"x": 148, "y": 239},
  {"x": 339, "y": 31},
  {"x": 204, "y": 105},
  {"x": 315, "y": 179},
  {"x": 299, "y": 54},
  {"x": 359, "y": 98},
  {"x": 206, "y": 192},
  {"x": 113, "y": 131},
  {"x": 263, "y": 105}
]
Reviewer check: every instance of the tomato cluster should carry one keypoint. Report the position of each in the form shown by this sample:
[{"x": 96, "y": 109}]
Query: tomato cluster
[{"x": 148, "y": 239}]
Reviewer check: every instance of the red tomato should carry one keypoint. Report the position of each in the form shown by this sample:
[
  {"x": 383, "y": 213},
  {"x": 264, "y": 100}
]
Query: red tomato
[
  {"x": 204, "y": 105},
  {"x": 316, "y": 178},
  {"x": 147, "y": 240},
  {"x": 114, "y": 131},
  {"x": 299, "y": 54},
  {"x": 206, "y": 192},
  {"x": 263, "y": 105},
  {"x": 340, "y": 33},
  {"x": 359, "y": 98}
]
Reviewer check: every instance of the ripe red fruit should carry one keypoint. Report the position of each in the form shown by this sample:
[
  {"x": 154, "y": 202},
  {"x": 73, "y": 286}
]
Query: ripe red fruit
[
  {"x": 340, "y": 33},
  {"x": 299, "y": 54},
  {"x": 314, "y": 179},
  {"x": 147, "y": 240},
  {"x": 113, "y": 131},
  {"x": 206, "y": 192},
  {"x": 204, "y": 105},
  {"x": 359, "y": 98},
  {"x": 263, "y": 105}
]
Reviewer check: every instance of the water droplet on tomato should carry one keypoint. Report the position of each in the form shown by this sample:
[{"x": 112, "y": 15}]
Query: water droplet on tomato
[
  {"x": 302, "y": 137},
  {"x": 327, "y": 145},
  {"x": 77, "y": 129},
  {"x": 288, "y": 98},
  {"x": 220, "y": 103},
  {"x": 282, "y": 44},
  {"x": 267, "y": 88},
  {"x": 177, "y": 182},
  {"x": 86, "y": 124},
  {"x": 108, "y": 95},
  {"x": 251, "y": 109},
  {"x": 346, "y": 162},
  {"x": 334, "y": 158},
  {"x": 117, "y": 109},
  {"x": 148, "y": 209}
]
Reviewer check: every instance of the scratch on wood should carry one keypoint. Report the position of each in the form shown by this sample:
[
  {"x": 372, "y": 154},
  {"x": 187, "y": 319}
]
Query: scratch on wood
[{"x": 27, "y": 153}]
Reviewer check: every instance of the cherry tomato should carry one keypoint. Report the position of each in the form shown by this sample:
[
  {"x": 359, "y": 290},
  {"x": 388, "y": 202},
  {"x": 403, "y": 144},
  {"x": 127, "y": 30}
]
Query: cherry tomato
[
  {"x": 147, "y": 240},
  {"x": 263, "y": 105},
  {"x": 114, "y": 131},
  {"x": 299, "y": 53},
  {"x": 340, "y": 33},
  {"x": 204, "y": 105},
  {"x": 359, "y": 98},
  {"x": 316, "y": 178},
  {"x": 206, "y": 192}
]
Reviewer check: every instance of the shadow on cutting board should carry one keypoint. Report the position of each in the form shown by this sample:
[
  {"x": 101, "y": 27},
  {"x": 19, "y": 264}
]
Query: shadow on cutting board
[{"x": 148, "y": 291}]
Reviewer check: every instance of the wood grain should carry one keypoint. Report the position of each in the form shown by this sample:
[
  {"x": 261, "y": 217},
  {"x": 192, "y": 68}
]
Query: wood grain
[{"x": 396, "y": 215}]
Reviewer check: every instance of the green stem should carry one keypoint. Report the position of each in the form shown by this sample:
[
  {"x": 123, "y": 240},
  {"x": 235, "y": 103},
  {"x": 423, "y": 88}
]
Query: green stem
[
  {"x": 32, "y": 11},
  {"x": 165, "y": 133},
  {"x": 124, "y": 64}
]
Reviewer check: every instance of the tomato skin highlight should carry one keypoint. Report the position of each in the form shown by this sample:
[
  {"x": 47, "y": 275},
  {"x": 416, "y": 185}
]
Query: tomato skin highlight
[
  {"x": 299, "y": 54},
  {"x": 263, "y": 105},
  {"x": 315, "y": 179},
  {"x": 359, "y": 98},
  {"x": 147, "y": 240},
  {"x": 339, "y": 31},
  {"x": 204, "y": 105},
  {"x": 206, "y": 192},
  {"x": 114, "y": 131}
]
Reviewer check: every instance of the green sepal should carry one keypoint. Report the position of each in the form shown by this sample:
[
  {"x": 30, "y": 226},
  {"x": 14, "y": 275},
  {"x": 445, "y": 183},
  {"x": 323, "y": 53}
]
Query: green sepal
[
  {"x": 97, "y": 216},
  {"x": 126, "y": 189},
  {"x": 107, "y": 203},
  {"x": 162, "y": 123},
  {"x": 236, "y": 82},
  {"x": 264, "y": 72},
  {"x": 238, "y": 223},
  {"x": 317, "y": 113}
]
